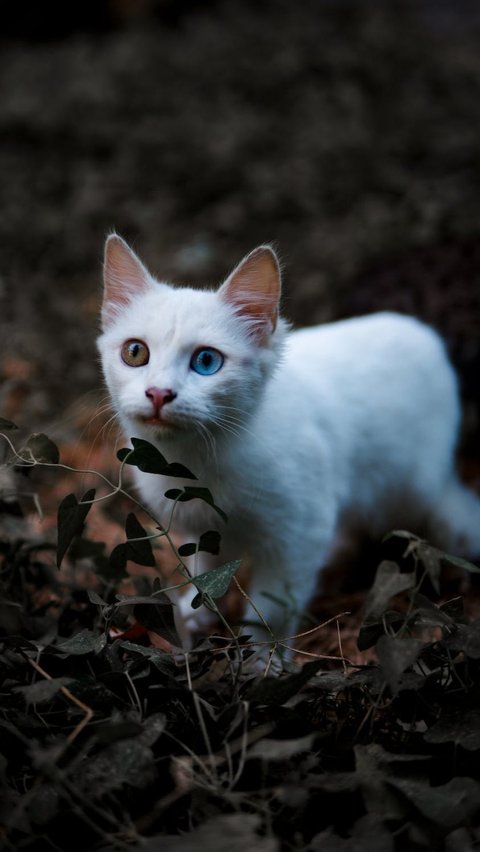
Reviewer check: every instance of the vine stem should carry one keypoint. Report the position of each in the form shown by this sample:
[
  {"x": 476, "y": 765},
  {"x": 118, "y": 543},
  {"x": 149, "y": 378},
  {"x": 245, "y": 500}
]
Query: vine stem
[{"x": 116, "y": 489}]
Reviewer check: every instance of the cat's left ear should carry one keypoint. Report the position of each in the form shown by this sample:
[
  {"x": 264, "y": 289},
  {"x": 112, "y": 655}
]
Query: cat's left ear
[
  {"x": 254, "y": 289},
  {"x": 124, "y": 277}
]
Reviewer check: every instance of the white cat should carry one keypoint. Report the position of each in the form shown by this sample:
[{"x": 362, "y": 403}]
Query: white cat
[{"x": 297, "y": 434}]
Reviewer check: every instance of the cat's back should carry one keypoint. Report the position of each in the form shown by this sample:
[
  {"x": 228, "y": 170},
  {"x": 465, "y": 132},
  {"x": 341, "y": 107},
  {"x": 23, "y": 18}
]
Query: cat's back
[
  {"x": 351, "y": 393},
  {"x": 376, "y": 332},
  {"x": 395, "y": 363},
  {"x": 384, "y": 346}
]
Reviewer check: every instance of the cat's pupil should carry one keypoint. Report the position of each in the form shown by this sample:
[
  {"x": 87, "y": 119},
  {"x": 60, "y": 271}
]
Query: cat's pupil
[
  {"x": 135, "y": 353},
  {"x": 206, "y": 361}
]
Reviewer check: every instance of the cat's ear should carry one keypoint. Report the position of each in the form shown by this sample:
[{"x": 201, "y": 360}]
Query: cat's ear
[
  {"x": 124, "y": 277},
  {"x": 254, "y": 289}
]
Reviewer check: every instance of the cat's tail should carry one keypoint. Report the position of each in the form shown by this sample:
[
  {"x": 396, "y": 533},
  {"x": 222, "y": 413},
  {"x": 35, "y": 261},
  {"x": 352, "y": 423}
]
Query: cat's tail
[{"x": 455, "y": 522}]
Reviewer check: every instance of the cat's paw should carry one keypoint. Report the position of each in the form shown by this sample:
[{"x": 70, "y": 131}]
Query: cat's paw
[{"x": 190, "y": 622}]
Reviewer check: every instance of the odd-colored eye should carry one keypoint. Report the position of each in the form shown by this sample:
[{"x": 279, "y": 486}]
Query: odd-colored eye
[
  {"x": 207, "y": 361},
  {"x": 135, "y": 353}
]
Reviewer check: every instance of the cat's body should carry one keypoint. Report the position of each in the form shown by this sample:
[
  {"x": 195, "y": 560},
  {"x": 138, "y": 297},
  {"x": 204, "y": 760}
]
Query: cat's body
[{"x": 296, "y": 434}]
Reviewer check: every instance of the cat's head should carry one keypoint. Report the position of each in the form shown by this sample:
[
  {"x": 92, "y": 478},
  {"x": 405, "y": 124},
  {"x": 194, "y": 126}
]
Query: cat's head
[{"x": 179, "y": 361}]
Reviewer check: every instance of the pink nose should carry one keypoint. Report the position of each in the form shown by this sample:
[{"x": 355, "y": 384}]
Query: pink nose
[{"x": 159, "y": 397}]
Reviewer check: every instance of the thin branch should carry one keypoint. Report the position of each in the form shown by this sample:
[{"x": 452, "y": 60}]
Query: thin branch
[{"x": 89, "y": 713}]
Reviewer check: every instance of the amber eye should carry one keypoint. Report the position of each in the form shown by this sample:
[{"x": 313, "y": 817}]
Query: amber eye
[{"x": 135, "y": 353}]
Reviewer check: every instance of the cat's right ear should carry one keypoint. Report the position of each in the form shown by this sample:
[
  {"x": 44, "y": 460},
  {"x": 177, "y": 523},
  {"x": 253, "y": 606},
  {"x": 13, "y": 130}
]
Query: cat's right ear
[
  {"x": 253, "y": 290},
  {"x": 124, "y": 277}
]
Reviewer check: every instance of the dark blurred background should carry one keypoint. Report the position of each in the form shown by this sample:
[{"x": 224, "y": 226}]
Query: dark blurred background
[{"x": 346, "y": 132}]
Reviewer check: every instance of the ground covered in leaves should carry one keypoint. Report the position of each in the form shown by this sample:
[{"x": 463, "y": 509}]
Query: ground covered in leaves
[
  {"x": 348, "y": 134},
  {"x": 115, "y": 738}
]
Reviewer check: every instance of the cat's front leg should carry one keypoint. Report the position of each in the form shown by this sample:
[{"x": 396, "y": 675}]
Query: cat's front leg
[
  {"x": 280, "y": 591},
  {"x": 189, "y": 621}
]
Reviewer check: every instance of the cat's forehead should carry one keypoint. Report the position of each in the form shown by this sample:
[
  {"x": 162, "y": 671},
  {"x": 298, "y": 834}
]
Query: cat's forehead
[{"x": 170, "y": 315}]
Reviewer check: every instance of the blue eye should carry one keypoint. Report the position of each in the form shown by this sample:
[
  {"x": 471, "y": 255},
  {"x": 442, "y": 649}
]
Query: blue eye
[{"x": 207, "y": 361}]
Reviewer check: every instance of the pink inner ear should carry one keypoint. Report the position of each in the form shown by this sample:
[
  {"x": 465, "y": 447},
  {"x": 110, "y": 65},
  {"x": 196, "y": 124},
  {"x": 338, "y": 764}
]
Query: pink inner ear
[
  {"x": 254, "y": 289},
  {"x": 124, "y": 275}
]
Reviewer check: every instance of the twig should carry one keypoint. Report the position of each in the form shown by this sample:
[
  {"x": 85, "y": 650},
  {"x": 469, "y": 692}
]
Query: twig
[
  {"x": 317, "y": 627},
  {"x": 340, "y": 648},
  {"x": 252, "y": 604},
  {"x": 69, "y": 695}
]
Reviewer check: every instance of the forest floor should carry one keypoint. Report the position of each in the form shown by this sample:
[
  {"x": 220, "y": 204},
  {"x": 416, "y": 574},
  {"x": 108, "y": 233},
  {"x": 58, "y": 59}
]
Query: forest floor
[
  {"x": 347, "y": 134},
  {"x": 344, "y": 134}
]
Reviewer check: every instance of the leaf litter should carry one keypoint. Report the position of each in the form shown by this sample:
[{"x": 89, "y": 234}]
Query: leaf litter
[{"x": 112, "y": 737}]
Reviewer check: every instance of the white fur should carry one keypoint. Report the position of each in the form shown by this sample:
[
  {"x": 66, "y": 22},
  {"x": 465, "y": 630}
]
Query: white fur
[{"x": 296, "y": 436}]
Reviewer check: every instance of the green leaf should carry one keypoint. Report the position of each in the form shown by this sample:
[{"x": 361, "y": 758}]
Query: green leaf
[
  {"x": 454, "y": 608},
  {"x": 445, "y": 805},
  {"x": 426, "y": 614},
  {"x": 209, "y": 543},
  {"x": 192, "y": 493},
  {"x": 372, "y": 629},
  {"x": 137, "y": 551},
  {"x": 159, "y": 619},
  {"x": 401, "y": 534},
  {"x": 459, "y": 563},
  {"x": 124, "y": 762},
  {"x": 214, "y": 583},
  {"x": 461, "y": 727},
  {"x": 466, "y": 638},
  {"x": 151, "y": 600},
  {"x": 396, "y": 656},
  {"x": 150, "y": 460},
  {"x": 275, "y": 750},
  {"x": 41, "y": 448},
  {"x": 162, "y": 661},
  {"x": 389, "y": 581},
  {"x": 70, "y": 519},
  {"x": 278, "y": 690},
  {"x": 84, "y": 642},
  {"x": 237, "y": 832},
  {"x": 117, "y": 562},
  {"x": 430, "y": 559},
  {"x": 144, "y": 456},
  {"x": 179, "y": 470},
  {"x": 43, "y": 690},
  {"x": 187, "y": 549},
  {"x": 95, "y": 598},
  {"x": 7, "y": 424}
]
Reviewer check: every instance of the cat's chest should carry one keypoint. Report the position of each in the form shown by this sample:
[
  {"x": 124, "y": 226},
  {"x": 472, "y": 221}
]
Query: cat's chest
[
  {"x": 229, "y": 494},
  {"x": 222, "y": 491}
]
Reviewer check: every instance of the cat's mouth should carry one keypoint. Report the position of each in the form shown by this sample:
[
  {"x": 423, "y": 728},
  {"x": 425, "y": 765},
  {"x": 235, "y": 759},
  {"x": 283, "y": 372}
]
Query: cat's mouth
[
  {"x": 160, "y": 426},
  {"x": 158, "y": 422}
]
